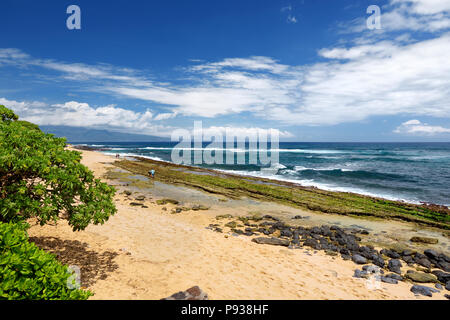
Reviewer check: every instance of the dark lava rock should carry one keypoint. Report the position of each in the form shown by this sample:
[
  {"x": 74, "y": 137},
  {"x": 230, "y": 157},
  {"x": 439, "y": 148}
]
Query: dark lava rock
[
  {"x": 447, "y": 296},
  {"x": 395, "y": 276},
  {"x": 371, "y": 268},
  {"x": 394, "y": 265},
  {"x": 443, "y": 265},
  {"x": 136, "y": 204},
  {"x": 344, "y": 251},
  {"x": 424, "y": 262},
  {"x": 295, "y": 238},
  {"x": 358, "y": 259},
  {"x": 388, "y": 280},
  {"x": 407, "y": 253},
  {"x": 390, "y": 253},
  {"x": 127, "y": 192},
  {"x": 311, "y": 243},
  {"x": 447, "y": 286},
  {"x": 346, "y": 257},
  {"x": 425, "y": 291},
  {"x": 297, "y": 217},
  {"x": 272, "y": 241},
  {"x": 139, "y": 198},
  {"x": 438, "y": 286},
  {"x": 431, "y": 254},
  {"x": 360, "y": 274},
  {"x": 378, "y": 261},
  {"x": 286, "y": 233},
  {"x": 194, "y": 293}
]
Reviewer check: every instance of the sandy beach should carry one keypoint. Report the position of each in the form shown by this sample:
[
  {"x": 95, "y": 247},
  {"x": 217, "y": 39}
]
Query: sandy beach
[{"x": 149, "y": 253}]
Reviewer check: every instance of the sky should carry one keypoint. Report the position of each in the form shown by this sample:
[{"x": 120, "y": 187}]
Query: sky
[{"x": 312, "y": 69}]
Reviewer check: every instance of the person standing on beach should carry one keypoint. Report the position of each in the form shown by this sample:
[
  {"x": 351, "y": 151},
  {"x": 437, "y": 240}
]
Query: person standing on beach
[{"x": 152, "y": 173}]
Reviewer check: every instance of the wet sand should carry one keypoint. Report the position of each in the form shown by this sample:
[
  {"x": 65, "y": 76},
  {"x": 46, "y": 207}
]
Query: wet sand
[{"x": 148, "y": 253}]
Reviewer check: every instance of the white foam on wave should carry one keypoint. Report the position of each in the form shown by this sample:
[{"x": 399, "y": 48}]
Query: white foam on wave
[
  {"x": 323, "y": 186},
  {"x": 302, "y": 168}
]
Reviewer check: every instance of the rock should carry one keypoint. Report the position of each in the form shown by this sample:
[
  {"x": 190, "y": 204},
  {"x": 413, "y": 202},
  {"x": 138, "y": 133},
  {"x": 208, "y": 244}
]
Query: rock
[
  {"x": 394, "y": 265},
  {"x": 162, "y": 202},
  {"x": 272, "y": 241},
  {"x": 420, "y": 277},
  {"x": 311, "y": 243},
  {"x": 139, "y": 198},
  {"x": 194, "y": 293},
  {"x": 127, "y": 192},
  {"x": 438, "y": 286},
  {"x": 426, "y": 240},
  {"x": 286, "y": 233},
  {"x": 297, "y": 217},
  {"x": 395, "y": 276},
  {"x": 424, "y": 262},
  {"x": 198, "y": 207},
  {"x": 360, "y": 274},
  {"x": 136, "y": 204},
  {"x": 164, "y": 209},
  {"x": 358, "y": 259},
  {"x": 371, "y": 269},
  {"x": 407, "y": 253},
  {"x": 390, "y": 253},
  {"x": 447, "y": 286},
  {"x": 447, "y": 296},
  {"x": 346, "y": 257},
  {"x": 388, "y": 280},
  {"x": 441, "y": 276},
  {"x": 378, "y": 261},
  {"x": 431, "y": 254},
  {"x": 425, "y": 291}
]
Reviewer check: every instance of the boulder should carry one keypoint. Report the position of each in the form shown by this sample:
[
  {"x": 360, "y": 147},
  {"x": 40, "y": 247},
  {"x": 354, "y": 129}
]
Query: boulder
[
  {"x": 272, "y": 241},
  {"x": 421, "y": 277},
  {"x": 425, "y": 291},
  {"x": 388, "y": 280},
  {"x": 358, "y": 259},
  {"x": 194, "y": 293},
  {"x": 394, "y": 265}
]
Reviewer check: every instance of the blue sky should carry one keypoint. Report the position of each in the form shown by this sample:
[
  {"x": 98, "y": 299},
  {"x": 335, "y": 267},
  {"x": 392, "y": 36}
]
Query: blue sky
[{"x": 308, "y": 68}]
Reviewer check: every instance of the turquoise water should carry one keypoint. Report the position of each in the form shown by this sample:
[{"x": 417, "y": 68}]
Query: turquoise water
[{"x": 413, "y": 172}]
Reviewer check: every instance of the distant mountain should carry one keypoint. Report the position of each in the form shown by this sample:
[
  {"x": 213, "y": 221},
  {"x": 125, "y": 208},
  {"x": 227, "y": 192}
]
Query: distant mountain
[{"x": 77, "y": 134}]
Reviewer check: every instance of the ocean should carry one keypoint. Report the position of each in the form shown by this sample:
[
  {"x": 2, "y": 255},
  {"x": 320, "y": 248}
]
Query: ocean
[{"x": 411, "y": 172}]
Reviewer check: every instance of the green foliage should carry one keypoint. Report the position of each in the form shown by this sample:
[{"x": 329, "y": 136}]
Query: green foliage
[
  {"x": 7, "y": 114},
  {"x": 40, "y": 178},
  {"x": 29, "y": 125},
  {"x": 29, "y": 273}
]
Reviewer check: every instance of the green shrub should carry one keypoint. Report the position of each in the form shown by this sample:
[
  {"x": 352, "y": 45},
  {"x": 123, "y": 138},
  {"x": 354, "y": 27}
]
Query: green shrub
[
  {"x": 29, "y": 273},
  {"x": 40, "y": 178}
]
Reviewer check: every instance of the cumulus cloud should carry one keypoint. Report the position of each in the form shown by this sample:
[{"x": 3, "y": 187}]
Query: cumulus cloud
[
  {"x": 77, "y": 114},
  {"x": 418, "y": 128}
]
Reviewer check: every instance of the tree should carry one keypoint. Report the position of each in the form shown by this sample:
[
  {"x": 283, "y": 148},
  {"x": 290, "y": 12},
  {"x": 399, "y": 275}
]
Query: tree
[{"x": 40, "y": 178}]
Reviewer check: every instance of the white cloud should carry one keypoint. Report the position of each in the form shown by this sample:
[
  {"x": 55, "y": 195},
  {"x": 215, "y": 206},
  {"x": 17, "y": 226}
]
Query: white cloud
[
  {"x": 242, "y": 132},
  {"x": 78, "y": 114},
  {"x": 416, "y": 127}
]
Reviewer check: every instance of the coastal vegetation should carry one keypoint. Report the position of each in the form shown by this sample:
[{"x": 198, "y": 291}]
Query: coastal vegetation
[
  {"x": 41, "y": 179},
  {"x": 234, "y": 186}
]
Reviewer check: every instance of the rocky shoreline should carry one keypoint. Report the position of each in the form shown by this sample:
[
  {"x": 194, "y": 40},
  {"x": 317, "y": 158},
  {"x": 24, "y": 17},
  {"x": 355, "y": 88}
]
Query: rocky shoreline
[{"x": 429, "y": 266}]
